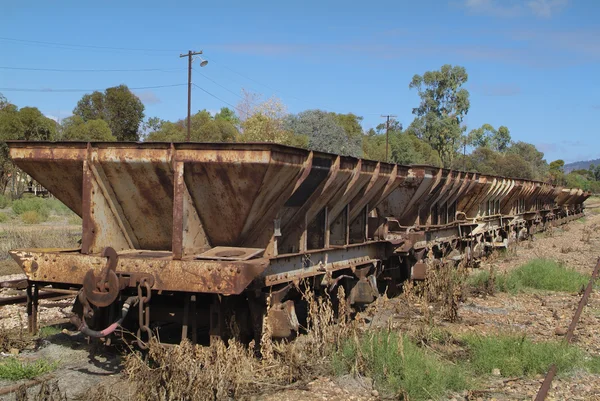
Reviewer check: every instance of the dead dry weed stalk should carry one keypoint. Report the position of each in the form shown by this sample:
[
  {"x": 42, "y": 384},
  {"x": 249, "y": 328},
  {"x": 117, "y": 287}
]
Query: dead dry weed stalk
[
  {"x": 49, "y": 391},
  {"x": 233, "y": 371},
  {"x": 445, "y": 286}
]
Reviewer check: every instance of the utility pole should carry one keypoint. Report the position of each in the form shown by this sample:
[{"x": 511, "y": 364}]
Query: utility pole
[
  {"x": 189, "y": 111},
  {"x": 387, "y": 130}
]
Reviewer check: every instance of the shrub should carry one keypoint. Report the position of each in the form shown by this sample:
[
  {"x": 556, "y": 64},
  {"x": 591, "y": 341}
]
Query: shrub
[
  {"x": 4, "y": 201},
  {"x": 517, "y": 356},
  {"x": 541, "y": 274},
  {"x": 38, "y": 205},
  {"x": 33, "y": 217},
  {"x": 3, "y": 217},
  {"x": 58, "y": 207}
]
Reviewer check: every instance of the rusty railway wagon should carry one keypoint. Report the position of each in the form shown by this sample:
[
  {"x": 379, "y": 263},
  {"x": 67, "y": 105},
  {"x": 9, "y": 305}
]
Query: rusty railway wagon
[{"x": 188, "y": 235}]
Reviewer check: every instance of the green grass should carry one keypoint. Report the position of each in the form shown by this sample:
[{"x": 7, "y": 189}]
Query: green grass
[
  {"x": 519, "y": 356},
  {"x": 13, "y": 369},
  {"x": 541, "y": 274},
  {"x": 49, "y": 331},
  {"x": 4, "y": 201},
  {"x": 398, "y": 364}
]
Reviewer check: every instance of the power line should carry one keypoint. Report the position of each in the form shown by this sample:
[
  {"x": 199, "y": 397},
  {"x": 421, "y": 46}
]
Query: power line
[
  {"x": 39, "y": 42},
  {"x": 50, "y": 90},
  {"x": 90, "y": 70},
  {"x": 218, "y": 84},
  {"x": 218, "y": 98}
]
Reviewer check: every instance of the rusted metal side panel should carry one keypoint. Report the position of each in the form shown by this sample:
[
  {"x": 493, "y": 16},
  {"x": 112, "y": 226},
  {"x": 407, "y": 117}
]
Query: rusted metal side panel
[
  {"x": 509, "y": 202},
  {"x": 207, "y": 276},
  {"x": 296, "y": 214},
  {"x": 425, "y": 207},
  {"x": 226, "y": 187},
  {"x": 471, "y": 209},
  {"x": 465, "y": 203},
  {"x": 100, "y": 225},
  {"x": 431, "y": 177},
  {"x": 362, "y": 176},
  {"x": 369, "y": 194},
  {"x": 394, "y": 204},
  {"x": 142, "y": 181},
  {"x": 188, "y": 233},
  {"x": 397, "y": 178}
]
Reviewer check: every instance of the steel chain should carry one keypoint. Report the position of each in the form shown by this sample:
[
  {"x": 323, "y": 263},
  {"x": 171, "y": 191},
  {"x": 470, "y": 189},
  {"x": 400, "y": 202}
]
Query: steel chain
[{"x": 144, "y": 313}]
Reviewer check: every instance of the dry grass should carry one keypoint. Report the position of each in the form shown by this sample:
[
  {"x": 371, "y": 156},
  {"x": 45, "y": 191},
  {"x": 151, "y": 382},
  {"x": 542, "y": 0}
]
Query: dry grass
[
  {"x": 49, "y": 391},
  {"x": 15, "y": 237},
  {"x": 445, "y": 286},
  {"x": 232, "y": 371}
]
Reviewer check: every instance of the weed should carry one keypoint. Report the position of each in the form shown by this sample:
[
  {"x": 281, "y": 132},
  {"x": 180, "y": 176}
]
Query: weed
[
  {"x": 398, "y": 365},
  {"x": 48, "y": 331},
  {"x": 4, "y": 201},
  {"x": 483, "y": 282},
  {"x": 566, "y": 249},
  {"x": 541, "y": 274},
  {"x": 517, "y": 355},
  {"x": 445, "y": 284},
  {"x": 49, "y": 391},
  {"x": 586, "y": 235},
  {"x": 3, "y": 217},
  {"x": 33, "y": 217},
  {"x": 225, "y": 371},
  {"x": 13, "y": 369}
]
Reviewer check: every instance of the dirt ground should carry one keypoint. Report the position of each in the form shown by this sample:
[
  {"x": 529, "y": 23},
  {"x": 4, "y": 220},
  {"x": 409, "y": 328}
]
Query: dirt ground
[{"x": 541, "y": 316}]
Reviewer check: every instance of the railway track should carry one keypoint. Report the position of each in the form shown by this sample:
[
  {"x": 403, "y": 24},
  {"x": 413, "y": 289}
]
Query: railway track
[{"x": 45, "y": 293}]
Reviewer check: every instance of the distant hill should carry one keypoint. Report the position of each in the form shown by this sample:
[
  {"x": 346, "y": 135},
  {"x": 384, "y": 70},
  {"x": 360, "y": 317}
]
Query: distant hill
[{"x": 581, "y": 165}]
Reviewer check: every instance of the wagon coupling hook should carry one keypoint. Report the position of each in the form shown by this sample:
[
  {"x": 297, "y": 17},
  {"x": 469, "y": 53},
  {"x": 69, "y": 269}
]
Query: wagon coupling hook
[{"x": 104, "y": 289}]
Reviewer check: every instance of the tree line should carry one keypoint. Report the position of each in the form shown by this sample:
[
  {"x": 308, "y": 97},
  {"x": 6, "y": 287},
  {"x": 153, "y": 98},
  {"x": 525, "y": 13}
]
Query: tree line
[{"x": 436, "y": 136}]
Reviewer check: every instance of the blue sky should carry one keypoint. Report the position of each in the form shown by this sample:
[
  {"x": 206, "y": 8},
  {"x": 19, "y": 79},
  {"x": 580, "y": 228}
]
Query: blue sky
[{"x": 533, "y": 65}]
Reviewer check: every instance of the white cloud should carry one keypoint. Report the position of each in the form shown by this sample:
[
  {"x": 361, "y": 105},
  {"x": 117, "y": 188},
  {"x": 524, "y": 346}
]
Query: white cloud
[
  {"x": 147, "y": 97},
  {"x": 546, "y": 8},
  {"x": 515, "y": 8}
]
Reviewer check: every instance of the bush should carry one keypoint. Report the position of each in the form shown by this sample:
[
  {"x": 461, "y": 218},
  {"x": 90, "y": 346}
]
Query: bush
[
  {"x": 4, "y": 201},
  {"x": 32, "y": 217},
  {"x": 399, "y": 365},
  {"x": 542, "y": 274},
  {"x": 58, "y": 207},
  {"x": 517, "y": 356},
  {"x": 3, "y": 217},
  {"x": 38, "y": 205}
]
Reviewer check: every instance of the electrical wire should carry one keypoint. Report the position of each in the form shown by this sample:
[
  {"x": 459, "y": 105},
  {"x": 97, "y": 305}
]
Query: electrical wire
[
  {"x": 39, "y": 42},
  {"x": 218, "y": 98},
  {"x": 91, "y": 70},
  {"x": 50, "y": 90}
]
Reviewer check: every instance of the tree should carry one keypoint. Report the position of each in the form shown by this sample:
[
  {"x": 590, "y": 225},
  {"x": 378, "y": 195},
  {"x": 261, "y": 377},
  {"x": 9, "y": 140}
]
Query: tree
[
  {"x": 324, "y": 133},
  {"x": 74, "y": 128},
  {"x": 535, "y": 158},
  {"x": 441, "y": 111},
  {"x": 557, "y": 172},
  {"x": 487, "y": 136},
  {"x": 266, "y": 122},
  {"x": 204, "y": 128},
  {"x": 118, "y": 106}
]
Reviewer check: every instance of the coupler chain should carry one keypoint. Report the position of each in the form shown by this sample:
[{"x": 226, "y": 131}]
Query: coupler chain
[{"x": 144, "y": 313}]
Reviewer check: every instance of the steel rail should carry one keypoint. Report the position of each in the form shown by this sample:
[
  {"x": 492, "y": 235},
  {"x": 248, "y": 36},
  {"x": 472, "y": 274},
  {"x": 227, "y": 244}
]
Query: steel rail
[{"x": 545, "y": 387}]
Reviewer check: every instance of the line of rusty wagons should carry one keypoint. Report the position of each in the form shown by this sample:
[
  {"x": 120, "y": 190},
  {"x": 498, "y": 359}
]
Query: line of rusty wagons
[{"x": 188, "y": 235}]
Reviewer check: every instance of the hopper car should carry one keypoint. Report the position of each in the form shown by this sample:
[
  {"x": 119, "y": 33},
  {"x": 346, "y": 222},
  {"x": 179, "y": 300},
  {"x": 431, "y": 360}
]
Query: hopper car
[{"x": 181, "y": 239}]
